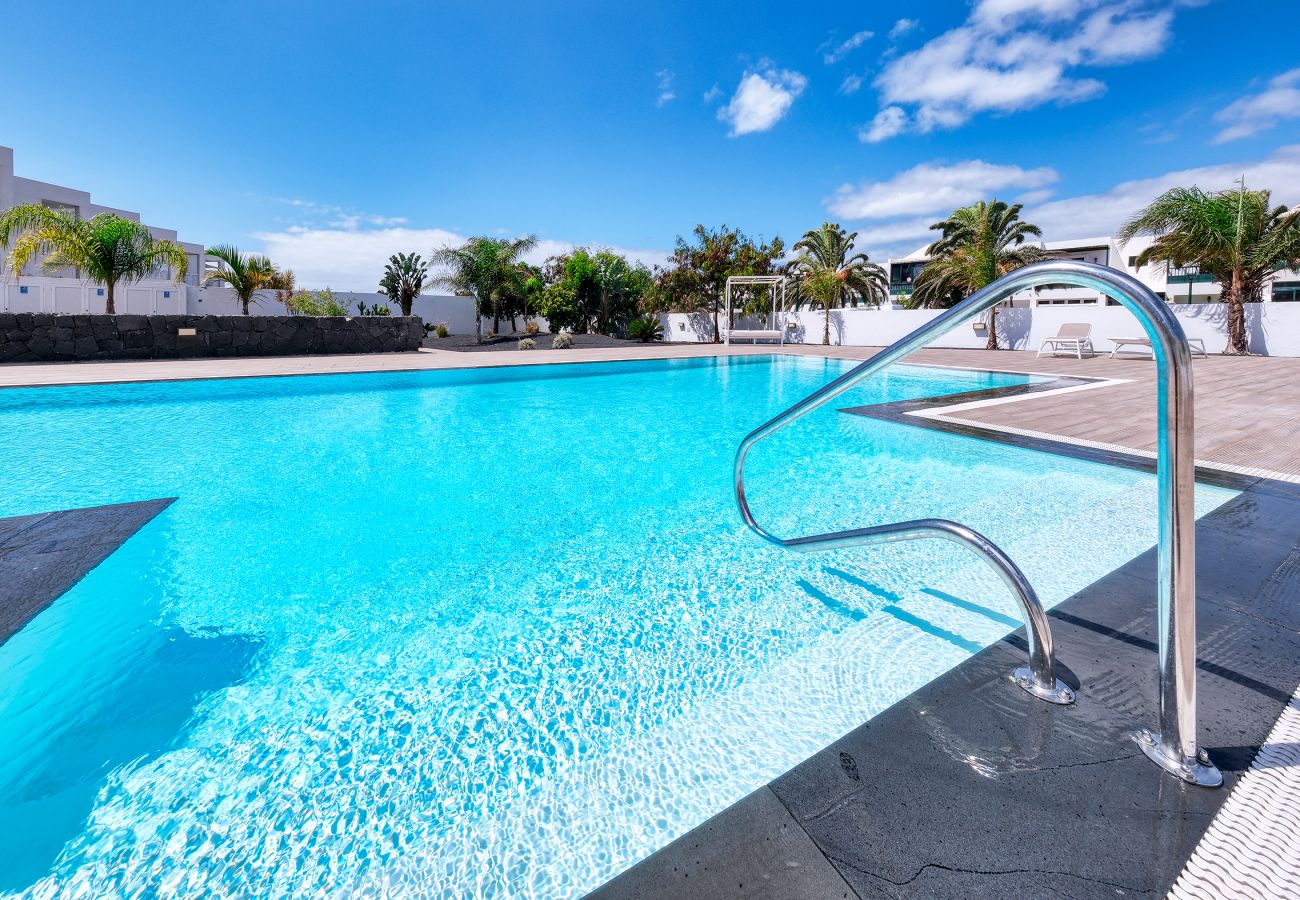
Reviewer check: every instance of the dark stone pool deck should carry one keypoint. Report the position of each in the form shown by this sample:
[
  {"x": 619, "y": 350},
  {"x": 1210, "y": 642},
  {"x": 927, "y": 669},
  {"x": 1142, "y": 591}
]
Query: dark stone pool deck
[
  {"x": 970, "y": 788},
  {"x": 43, "y": 555}
]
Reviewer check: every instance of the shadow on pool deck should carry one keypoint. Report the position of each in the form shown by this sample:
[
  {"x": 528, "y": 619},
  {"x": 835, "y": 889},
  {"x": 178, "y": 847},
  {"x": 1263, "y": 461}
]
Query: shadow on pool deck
[{"x": 970, "y": 788}]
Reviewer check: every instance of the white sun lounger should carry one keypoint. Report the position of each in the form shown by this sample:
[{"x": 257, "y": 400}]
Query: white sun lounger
[
  {"x": 1074, "y": 337},
  {"x": 755, "y": 335},
  {"x": 1195, "y": 344}
]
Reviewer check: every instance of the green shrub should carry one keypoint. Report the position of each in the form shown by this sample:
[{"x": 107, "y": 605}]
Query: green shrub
[
  {"x": 562, "y": 341},
  {"x": 527, "y": 344},
  {"x": 559, "y": 304},
  {"x": 441, "y": 330},
  {"x": 316, "y": 303},
  {"x": 645, "y": 329},
  {"x": 375, "y": 310}
]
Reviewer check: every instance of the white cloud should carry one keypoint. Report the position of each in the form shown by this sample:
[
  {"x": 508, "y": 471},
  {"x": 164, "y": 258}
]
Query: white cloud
[
  {"x": 930, "y": 188},
  {"x": 899, "y": 211},
  {"x": 844, "y": 48},
  {"x": 333, "y": 215},
  {"x": 762, "y": 99},
  {"x": 1012, "y": 55},
  {"x": 1259, "y": 112},
  {"x": 902, "y": 27},
  {"x": 353, "y": 260},
  {"x": 890, "y": 121},
  {"x": 1104, "y": 212},
  {"x": 665, "y": 82},
  {"x": 1003, "y": 13},
  {"x": 851, "y": 85},
  {"x": 346, "y": 259},
  {"x": 893, "y": 238},
  {"x": 712, "y": 94}
]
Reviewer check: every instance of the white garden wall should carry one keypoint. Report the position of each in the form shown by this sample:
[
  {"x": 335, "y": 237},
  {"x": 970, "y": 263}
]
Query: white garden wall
[{"x": 1273, "y": 328}]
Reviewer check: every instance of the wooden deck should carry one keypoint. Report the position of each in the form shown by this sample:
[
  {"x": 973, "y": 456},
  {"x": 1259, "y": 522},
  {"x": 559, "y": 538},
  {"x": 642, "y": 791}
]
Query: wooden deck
[{"x": 1247, "y": 409}]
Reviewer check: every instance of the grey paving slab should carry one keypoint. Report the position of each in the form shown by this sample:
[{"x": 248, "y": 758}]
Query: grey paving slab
[
  {"x": 43, "y": 555},
  {"x": 753, "y": 849}
]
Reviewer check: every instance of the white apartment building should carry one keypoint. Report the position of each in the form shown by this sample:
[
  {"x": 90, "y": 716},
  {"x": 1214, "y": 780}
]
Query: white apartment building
[
  {"x": 1186, "y": 285},
  {"x": 37, "y": 291}
]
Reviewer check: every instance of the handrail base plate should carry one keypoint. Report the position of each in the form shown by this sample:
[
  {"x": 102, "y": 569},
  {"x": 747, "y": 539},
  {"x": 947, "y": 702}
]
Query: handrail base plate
[
  {"x": 1197, "y": 770},
  {"x": 1058, "y": 693}
]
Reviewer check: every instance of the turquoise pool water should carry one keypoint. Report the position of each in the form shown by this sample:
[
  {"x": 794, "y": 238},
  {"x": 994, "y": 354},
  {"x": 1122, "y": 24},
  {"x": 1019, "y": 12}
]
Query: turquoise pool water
[{"x": 493, "y": 633}]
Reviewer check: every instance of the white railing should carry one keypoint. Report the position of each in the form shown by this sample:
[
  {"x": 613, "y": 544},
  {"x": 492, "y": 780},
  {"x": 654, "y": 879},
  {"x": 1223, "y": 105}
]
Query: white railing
[{"x": 73, "y": 296}]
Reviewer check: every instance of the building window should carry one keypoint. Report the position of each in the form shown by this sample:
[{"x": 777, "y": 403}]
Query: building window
[
  {"x": 75, "y": 211},
  {"x": 901, "y": 276},
  {"x": 1132, "y": 262},
  {"x": 1286, "y": 292}
]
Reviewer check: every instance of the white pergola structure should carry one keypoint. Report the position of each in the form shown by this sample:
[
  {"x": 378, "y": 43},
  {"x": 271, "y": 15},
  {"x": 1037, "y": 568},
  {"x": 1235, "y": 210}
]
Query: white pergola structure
[{"x": 776, "y": 288}]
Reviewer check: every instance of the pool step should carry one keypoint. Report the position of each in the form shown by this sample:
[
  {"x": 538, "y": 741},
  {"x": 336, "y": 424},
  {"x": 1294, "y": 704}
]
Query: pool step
[{"x": 43, "y": 555}]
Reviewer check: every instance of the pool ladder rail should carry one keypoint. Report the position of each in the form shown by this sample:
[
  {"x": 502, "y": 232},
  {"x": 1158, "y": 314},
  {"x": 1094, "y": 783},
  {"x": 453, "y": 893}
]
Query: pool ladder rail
[{"x": 1173, "y": 745}]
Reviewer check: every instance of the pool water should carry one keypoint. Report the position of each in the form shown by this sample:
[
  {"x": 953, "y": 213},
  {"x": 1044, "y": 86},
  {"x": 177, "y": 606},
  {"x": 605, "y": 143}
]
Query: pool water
[{"x": 491, "y": 633}]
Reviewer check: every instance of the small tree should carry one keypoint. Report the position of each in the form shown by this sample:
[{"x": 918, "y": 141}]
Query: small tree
[
  {"x": 106, "y": 249},
  {"x": 696, "y": 277},
  {"x": 406, "y": 276},
  {"x": 1236, "y": 235},
  {"x": 285, "y": 286},
  {"x": 245, "y": 274}
]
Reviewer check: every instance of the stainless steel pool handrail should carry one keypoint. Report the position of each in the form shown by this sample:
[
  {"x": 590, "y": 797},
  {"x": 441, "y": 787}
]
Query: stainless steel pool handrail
[
  {"x": 1039, "y": 678},
  {"x": 1173, "y": 746}
]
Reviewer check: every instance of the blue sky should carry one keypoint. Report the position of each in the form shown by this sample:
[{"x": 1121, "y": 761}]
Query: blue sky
[{"x": 333, "y": 134}]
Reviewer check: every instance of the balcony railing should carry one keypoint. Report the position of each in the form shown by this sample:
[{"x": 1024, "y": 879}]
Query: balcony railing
[{"x": 1187, "y": 275}]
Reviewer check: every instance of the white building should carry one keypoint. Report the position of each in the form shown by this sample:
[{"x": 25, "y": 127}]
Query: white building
[
  {"x": 1175, "y": 285},
  {"x": 39, "y": 291}
]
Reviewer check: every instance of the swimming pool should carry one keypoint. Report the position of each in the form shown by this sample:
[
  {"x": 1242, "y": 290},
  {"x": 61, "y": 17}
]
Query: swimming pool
[{"x": 484, "y": 633}]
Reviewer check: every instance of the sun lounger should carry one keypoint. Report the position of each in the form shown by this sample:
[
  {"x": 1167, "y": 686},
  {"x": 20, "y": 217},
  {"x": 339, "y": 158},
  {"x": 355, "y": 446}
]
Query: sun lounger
[{"x": 1074, "y": 337}]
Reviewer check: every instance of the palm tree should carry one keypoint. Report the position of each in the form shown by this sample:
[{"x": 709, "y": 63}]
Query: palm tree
[
  {"x": 243, "y": 273},
  {"x": 613, "y": 283},
  {"x": 980, "y": 244},
  {"x": 831, "y": 274},
  {"x": 406, "y": 276},
  {"x": 484, "y": 268},
  {"x": 1235, "y": 235},
  {"x": 106, "y": 248}
]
